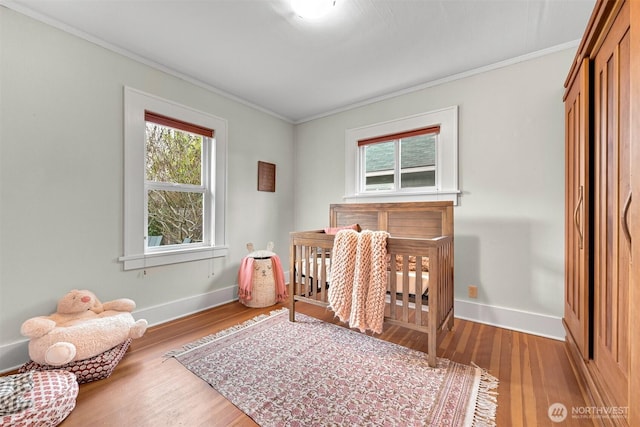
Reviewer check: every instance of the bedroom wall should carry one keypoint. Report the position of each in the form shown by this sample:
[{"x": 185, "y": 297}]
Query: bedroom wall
[
  {"x": 61, "y": 181},
  {"x": 509, "y": 224}
]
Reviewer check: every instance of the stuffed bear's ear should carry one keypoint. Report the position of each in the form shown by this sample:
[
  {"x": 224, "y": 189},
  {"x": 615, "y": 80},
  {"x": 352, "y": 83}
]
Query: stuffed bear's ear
[
  {"x": 250, "y": 247},
  {"x": 270, "y": 246}
]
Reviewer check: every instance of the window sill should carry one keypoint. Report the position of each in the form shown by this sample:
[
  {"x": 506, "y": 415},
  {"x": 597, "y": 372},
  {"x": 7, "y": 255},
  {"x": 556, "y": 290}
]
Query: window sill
[
  {"x": 137, "y": 261},
  {"x": 418, "y": 196}
]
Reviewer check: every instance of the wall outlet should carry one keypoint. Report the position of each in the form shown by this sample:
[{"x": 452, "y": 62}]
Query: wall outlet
[{"x": 473, "y": 291}]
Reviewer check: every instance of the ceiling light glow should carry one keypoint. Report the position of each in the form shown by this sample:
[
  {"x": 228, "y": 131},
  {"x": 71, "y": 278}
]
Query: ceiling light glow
[{"x": 312, "y": 9}]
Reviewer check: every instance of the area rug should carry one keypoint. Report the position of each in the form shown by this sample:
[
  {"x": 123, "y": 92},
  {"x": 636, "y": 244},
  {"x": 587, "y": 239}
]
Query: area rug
[{"x": 313, "y": 373}]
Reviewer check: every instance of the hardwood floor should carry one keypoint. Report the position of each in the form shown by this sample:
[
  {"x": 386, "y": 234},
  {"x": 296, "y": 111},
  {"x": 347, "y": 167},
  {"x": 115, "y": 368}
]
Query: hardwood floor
[{"x": 148, "y": 390}]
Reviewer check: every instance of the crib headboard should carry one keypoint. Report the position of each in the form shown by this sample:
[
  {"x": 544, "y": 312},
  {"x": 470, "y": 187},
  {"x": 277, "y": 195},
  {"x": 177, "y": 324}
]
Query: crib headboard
[{"x": 405, "y": 219}]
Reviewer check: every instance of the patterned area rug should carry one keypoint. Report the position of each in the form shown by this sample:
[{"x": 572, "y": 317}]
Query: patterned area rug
[{"x": 313, "y": 373}]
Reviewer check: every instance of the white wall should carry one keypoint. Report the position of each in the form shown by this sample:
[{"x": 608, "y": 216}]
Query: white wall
[
  {"x": 61, "y": 181},
  {"x": 509, "y": 225}
]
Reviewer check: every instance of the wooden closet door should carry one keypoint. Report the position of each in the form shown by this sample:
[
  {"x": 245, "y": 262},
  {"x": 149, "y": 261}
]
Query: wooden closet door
[
  {"x": 634, "y": 215},
  {"x": 576, "y": 310},
  {"x": 612, "y": 246}
]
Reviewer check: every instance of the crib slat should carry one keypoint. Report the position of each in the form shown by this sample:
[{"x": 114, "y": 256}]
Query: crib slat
[
  {"x": 300, "y": 270},
  {"x": 418, "y": 290},
  {"x": 405, "y": 288},
  {"x": 313, "y": 273},
  {"x": 434, "y": 292},
  {"x": 393, "y": 285},
  {"x": 307, "y": 271},
  {"x": 323, "y": 275}
]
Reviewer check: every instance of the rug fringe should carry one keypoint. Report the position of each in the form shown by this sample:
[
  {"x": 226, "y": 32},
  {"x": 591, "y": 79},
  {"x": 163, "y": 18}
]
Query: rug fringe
[
  {"x": 209, "y": 338},
  {"x": 486, "y": 401}
]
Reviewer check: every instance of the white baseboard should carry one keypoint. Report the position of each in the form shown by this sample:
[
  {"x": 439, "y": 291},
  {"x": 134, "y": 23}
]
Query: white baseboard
[
  {"x": 15, "y": 354},
  {"x": 183, "y": 307},
  {"x": 517, "y": 320}
]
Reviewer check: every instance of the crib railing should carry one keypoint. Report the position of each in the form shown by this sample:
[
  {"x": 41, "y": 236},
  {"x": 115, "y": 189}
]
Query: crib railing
[
  {"x": 310, "y": 258},
  {"x": 430, "y": 312}
]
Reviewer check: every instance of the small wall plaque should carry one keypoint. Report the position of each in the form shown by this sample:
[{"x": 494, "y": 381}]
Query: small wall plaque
[{"x": 266, "y": 176}]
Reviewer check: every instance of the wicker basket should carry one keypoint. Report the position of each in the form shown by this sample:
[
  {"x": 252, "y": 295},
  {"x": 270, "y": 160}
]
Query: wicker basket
[
  {"x": 263, "y": 293},
  {"x": 94, "y": 368}
]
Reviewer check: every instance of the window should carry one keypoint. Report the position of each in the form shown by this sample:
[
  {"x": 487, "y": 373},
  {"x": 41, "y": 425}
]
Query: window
[
  {"x": 175, "y": 176},
  {"x": 401, "y": 161},
  {"x": 413, "y": 159}
]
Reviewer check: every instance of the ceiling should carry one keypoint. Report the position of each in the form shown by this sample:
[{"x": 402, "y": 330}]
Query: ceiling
[{"x": 262, "y": 53}]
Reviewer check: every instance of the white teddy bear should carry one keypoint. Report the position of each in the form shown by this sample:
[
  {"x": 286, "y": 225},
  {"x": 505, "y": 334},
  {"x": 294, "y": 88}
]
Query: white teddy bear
[{"x": 82, "y": 327}]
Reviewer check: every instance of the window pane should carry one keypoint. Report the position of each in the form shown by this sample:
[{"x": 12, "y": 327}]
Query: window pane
[
  {"x": 173, "y": 155},
  {"x": 379, "y": 157},
  {"x": 418, "y": 179},
  {"x": 418, "y": 151},
  {"x": 379, "y": 165},
  {"x": 379, "y": 182},
  {"x": 176, "y": 216}
]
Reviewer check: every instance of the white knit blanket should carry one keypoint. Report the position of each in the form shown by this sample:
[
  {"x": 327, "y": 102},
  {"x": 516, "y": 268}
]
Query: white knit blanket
[{"x": 359, "y": 278}]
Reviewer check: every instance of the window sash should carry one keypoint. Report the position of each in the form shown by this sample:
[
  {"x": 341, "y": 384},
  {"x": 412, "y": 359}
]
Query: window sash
[
  {"x": 402, "y": 170},
  {"x": 180, "y": 227},
  {"x": 169, "y": 186}
]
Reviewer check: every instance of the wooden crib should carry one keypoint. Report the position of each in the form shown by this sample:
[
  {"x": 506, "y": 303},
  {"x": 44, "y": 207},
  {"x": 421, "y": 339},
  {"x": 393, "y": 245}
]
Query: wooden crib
[{"x": 418, "y": 231}]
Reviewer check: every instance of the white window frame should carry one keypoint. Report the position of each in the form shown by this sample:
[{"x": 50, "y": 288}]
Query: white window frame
[
  {"x": 136, "y": 253},
  {"x": 446, "y": 158}
]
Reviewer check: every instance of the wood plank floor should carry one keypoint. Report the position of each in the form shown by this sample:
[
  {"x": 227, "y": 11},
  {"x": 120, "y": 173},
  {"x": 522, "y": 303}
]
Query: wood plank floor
[{"x": 148, "y": 390}]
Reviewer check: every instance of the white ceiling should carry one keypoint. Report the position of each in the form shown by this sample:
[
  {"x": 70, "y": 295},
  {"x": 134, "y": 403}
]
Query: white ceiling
[{"x": 261, "y": 52}]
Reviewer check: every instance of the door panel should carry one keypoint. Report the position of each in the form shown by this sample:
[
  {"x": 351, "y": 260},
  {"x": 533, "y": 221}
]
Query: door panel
[
  {"x": 612, "y": 188},
  {"x": 576, "y": 312}
]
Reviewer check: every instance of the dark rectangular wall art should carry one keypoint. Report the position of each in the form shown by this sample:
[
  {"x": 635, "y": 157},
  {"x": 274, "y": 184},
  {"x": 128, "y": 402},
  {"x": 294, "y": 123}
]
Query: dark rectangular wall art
[{"x": 266, "y": 177}]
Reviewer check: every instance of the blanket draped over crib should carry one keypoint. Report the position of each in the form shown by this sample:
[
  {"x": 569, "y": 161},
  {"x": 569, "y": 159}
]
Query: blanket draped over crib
[
  {"x": 359, "y": 278},
  {"x": 245, "y": 279}
]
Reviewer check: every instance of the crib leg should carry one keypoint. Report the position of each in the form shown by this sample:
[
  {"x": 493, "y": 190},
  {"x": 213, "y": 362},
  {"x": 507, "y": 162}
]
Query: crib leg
[
  {"x": 292, "y": 308},
  {"x": 431, "y": 356},
  {"x": 432, "y": 345}
]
